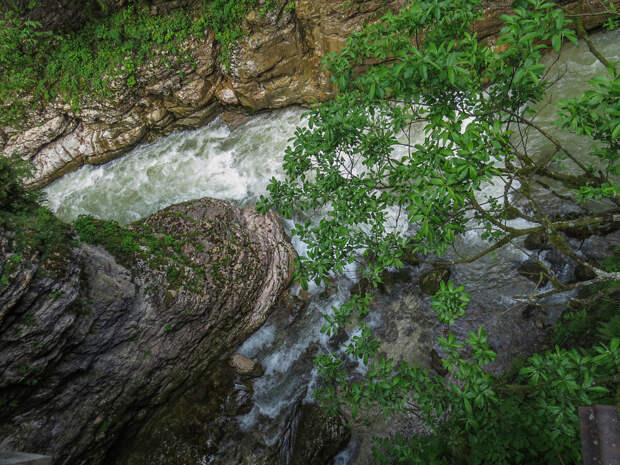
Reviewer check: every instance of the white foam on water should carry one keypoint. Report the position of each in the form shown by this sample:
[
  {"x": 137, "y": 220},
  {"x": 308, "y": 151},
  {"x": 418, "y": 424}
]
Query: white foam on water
[
  {"x": 208, "y": 162},
  {"x": 259, "y": 341}
]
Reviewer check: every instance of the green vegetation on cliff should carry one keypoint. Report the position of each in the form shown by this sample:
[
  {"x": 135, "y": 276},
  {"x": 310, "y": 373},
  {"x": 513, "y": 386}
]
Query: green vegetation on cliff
[
  {"x": 107, "y": 53},
  {"x": 29, "y": 227},
  {"x": 140, "y": 241}
]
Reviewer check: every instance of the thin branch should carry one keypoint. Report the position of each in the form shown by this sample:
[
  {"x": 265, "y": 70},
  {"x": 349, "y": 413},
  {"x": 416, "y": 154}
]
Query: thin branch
[
  {"x": 583, "y": 35},
  {"x": 554, "y": 141},
  {"x": 600, "y": 13},
  {"x": 605, "y": 277}
]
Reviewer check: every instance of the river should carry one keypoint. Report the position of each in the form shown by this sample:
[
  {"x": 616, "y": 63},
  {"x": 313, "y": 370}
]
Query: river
[{"x": 237, "y": 164}]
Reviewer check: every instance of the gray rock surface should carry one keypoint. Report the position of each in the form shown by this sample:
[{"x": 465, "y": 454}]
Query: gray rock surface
[{"x": 90, "y": 349}]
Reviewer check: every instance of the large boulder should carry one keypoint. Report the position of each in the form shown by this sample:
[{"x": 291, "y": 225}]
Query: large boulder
[{"x": 90, "y": 348}]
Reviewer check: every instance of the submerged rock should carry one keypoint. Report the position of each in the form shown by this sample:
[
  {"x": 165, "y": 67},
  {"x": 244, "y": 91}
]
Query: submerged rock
[
  {"x": 90, "y": 348},
  {"x": 534, "y": 272},
  {"x": 430, "y": 282},
  {"x": 536, "y": 241}
]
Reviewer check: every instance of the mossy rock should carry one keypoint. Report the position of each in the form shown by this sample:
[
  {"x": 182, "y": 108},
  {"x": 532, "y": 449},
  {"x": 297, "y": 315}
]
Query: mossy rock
[
  {"x": 536, "y": 240},
  {"x": 533, "y": 271},
  {"x": 430, "y": 282}
]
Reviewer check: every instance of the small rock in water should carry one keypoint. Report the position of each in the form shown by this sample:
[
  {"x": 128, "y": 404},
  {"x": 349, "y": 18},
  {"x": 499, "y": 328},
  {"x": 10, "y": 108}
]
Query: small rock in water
[
  {"x": 246, "y": 366},
  {"x": 583, "y": 273},
  {"x": 431, "y": 280},
  {"x": 536, "y": 241},
  {"x": 533, "y": 271}
]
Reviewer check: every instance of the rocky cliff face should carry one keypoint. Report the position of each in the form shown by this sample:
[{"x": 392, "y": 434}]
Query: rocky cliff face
[
  {"x": 90, "y": 348},
  {"x": 276, "y": 64}
]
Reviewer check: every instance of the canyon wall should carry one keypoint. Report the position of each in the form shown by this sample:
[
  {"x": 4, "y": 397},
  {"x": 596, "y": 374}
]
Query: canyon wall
[{"x": 276, "y": 64}]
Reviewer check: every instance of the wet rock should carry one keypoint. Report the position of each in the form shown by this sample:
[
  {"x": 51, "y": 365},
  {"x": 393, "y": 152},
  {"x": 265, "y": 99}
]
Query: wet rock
[
  {"x": 536, "y": 241},
  {"x": 245, "y": 366},
  {"x": 529, "y": 311},
  {"x": 599, "y": 248},
  {"x": 90, "y": 348},
  {"x": 430, "y": 282},
  {"x": 319, "y": 436},
  {"x": 584, "y": 273},
  {"x": 556, "y": 258},
  {"x": 234, "y": 119},
  {"x": 533, "y": 271},
  {"x": 192, "y": 427},
  {"x": 293, "y": 306}
]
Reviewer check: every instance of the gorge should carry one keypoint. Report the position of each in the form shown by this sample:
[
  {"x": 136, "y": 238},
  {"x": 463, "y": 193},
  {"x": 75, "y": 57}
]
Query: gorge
[{"x": 154, "y": 355}]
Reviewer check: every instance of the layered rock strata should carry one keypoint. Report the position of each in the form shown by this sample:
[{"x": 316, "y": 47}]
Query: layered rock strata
[{"x": 90, "y": 348}]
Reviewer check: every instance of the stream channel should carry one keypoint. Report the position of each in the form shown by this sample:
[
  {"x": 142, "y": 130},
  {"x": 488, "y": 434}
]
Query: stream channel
[{"x": 237, "y": 164}]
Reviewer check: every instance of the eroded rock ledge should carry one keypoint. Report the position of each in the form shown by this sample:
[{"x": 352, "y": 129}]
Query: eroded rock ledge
[
  {"x": 277, "y": 64},
  {"x": 90, "y": 348}
]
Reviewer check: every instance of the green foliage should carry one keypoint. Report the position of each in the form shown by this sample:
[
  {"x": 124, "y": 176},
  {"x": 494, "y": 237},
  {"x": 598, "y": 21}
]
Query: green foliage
[
  {"x": 344, "y": 161},
  {"x": 30, "y": 228},
  {"x": 160, "y": 251},
  {"x": 225, "y": 18},
  {"x": 38, "y": 66},
  {"x": 600, "y": 323},
  {"x": 450, "y": 303},
  {"x": 13, "y": 194},
  {"x": 9, "y": 267},
  {"x": 120, "y": 241},
  {"x": 37, "y": 230},
  {"x": 477, "y": 418},
  {"x": 20, "y": 57},
  {"x": 609, "y": 329},
  {"x": 595, "y": 114},
  {"x": 426, "y": 115}
]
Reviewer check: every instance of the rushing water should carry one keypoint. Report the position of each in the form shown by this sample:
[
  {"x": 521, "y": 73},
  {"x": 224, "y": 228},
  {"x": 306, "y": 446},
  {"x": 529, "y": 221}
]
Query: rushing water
[
  {"x": 236, "y": 165},
  {"x": 208, "y": 162}
]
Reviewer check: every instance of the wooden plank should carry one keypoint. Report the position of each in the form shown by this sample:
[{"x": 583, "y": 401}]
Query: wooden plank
[
  {"x": 600, "y": 435},
  {"x": 609, "y": 433},
  {"x": 589, "y": 437}
]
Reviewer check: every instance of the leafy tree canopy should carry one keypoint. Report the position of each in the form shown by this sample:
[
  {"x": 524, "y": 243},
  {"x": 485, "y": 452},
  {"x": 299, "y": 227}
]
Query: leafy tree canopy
[{"x": 427, "y": 116}]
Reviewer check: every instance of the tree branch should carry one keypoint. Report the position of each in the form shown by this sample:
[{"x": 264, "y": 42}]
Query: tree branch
[
  {"x": 555, "y": 142},
  {"x": 583, "y": 35}
]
